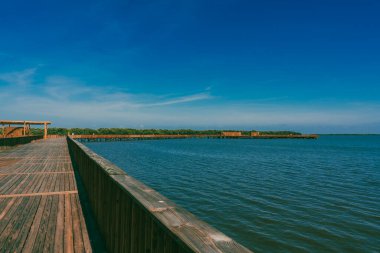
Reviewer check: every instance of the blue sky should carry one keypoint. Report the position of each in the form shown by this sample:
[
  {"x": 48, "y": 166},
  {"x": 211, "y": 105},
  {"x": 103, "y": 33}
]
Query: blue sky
[{"x": 310, "y": 66}]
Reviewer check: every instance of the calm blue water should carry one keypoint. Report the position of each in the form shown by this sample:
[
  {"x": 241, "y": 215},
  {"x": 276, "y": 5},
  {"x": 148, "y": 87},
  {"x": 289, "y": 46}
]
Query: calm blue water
[{"x": 270, "y": 195}]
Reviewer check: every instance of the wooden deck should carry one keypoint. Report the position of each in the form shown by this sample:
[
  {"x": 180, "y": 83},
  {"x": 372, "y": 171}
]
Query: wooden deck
[{"x": 40, "y": 209}]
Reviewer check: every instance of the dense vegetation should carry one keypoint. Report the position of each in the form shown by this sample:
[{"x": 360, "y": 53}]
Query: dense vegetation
[{"x": 80, "y": 131}]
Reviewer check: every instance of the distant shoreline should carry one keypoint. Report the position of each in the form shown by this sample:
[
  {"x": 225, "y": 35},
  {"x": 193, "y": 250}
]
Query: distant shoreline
[{"x": 131, "y": 131}]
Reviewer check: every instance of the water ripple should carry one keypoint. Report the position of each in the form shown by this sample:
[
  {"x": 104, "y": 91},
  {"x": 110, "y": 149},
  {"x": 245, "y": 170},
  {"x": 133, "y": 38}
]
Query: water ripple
[{"x": 269, "y": 195}]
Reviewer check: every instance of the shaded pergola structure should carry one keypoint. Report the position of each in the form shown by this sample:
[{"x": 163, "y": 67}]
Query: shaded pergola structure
[{"x": 21, "y": 127}]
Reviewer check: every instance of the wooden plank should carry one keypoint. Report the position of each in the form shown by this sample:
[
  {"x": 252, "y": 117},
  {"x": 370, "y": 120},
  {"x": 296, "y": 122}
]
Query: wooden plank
[
  {"x": 5, "y": 205},
  {"x": 28, "y": 214},
  {"x": 29, "y": 244},
  {"x": 37, "y": 194},
  {"x": 134, "y": 228},
  {"x": 10, "y": 180},
  {"x": 7, "y": 216},
  {"x": 26, "y": 188},
  {"x": 18, "y": 180},
  {"x": 77, "y": 233},
  {"x": 68, "y": 227},
  {"x": 36, "y": 185},
  {"x": 13, "y": 221},
  {"x": 85, "y": 237},
  {"x": 51, "y": 225},
  {"x": 36, "y": 173},
  {"x": 50, "y": 181},
  {"x": 20, "y": 188},
  {"x": 59, "y": 228},
  {"x": 148, "y": 234},
  {"x": 43, "y": 226}
]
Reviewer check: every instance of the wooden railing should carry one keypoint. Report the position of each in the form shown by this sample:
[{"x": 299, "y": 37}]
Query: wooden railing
[
  {"x": 134, "y": 218},
  {"x": 12, "y": 141}
]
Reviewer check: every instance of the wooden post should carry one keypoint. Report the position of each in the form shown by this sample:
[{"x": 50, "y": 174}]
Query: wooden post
[{"x": 45, "y": 130}]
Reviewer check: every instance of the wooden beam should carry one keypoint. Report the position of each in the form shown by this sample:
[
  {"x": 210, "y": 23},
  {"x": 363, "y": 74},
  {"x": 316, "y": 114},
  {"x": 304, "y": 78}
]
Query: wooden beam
[
  {"x": 22, "y": 122},
  {"x": 36, "y": 194},
  {"x": 45, "y": 131}
]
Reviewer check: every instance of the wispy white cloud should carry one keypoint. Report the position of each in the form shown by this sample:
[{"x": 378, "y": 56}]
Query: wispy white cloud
[
  {"x": 71, "y": 103},
  {"x": 63, "y": 97},
  {"x": 19, "y": 78},
  {"x": 180, "y": 100},
  {"x": 64, "y": 88}
]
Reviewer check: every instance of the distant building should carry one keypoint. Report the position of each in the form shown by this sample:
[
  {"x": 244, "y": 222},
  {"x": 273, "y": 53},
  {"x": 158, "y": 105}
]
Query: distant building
[
  {"x": 255, "y": 133},
  {"x": 231, "y": 133}
]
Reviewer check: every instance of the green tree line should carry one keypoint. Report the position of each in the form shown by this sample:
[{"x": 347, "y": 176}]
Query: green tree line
[{"x": 89, "y": 131}]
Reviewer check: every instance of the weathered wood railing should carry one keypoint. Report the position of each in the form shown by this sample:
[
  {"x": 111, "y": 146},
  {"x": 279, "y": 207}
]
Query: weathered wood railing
[
  {"x": 12, "y": 141},
  {"x": 134, "y": 218}
]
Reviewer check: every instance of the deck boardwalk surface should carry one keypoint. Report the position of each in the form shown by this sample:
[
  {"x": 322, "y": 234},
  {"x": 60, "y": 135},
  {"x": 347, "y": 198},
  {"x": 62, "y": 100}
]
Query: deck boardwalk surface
[{"x": 40, "y": 209}]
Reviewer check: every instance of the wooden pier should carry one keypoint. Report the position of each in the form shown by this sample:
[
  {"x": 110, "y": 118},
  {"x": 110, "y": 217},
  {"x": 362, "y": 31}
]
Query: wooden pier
[{"x": 40, "y": 209}]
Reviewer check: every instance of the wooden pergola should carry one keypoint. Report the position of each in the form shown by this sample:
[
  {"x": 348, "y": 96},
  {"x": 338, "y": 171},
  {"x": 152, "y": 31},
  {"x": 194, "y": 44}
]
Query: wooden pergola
[{"x": 26, "y": 125}]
